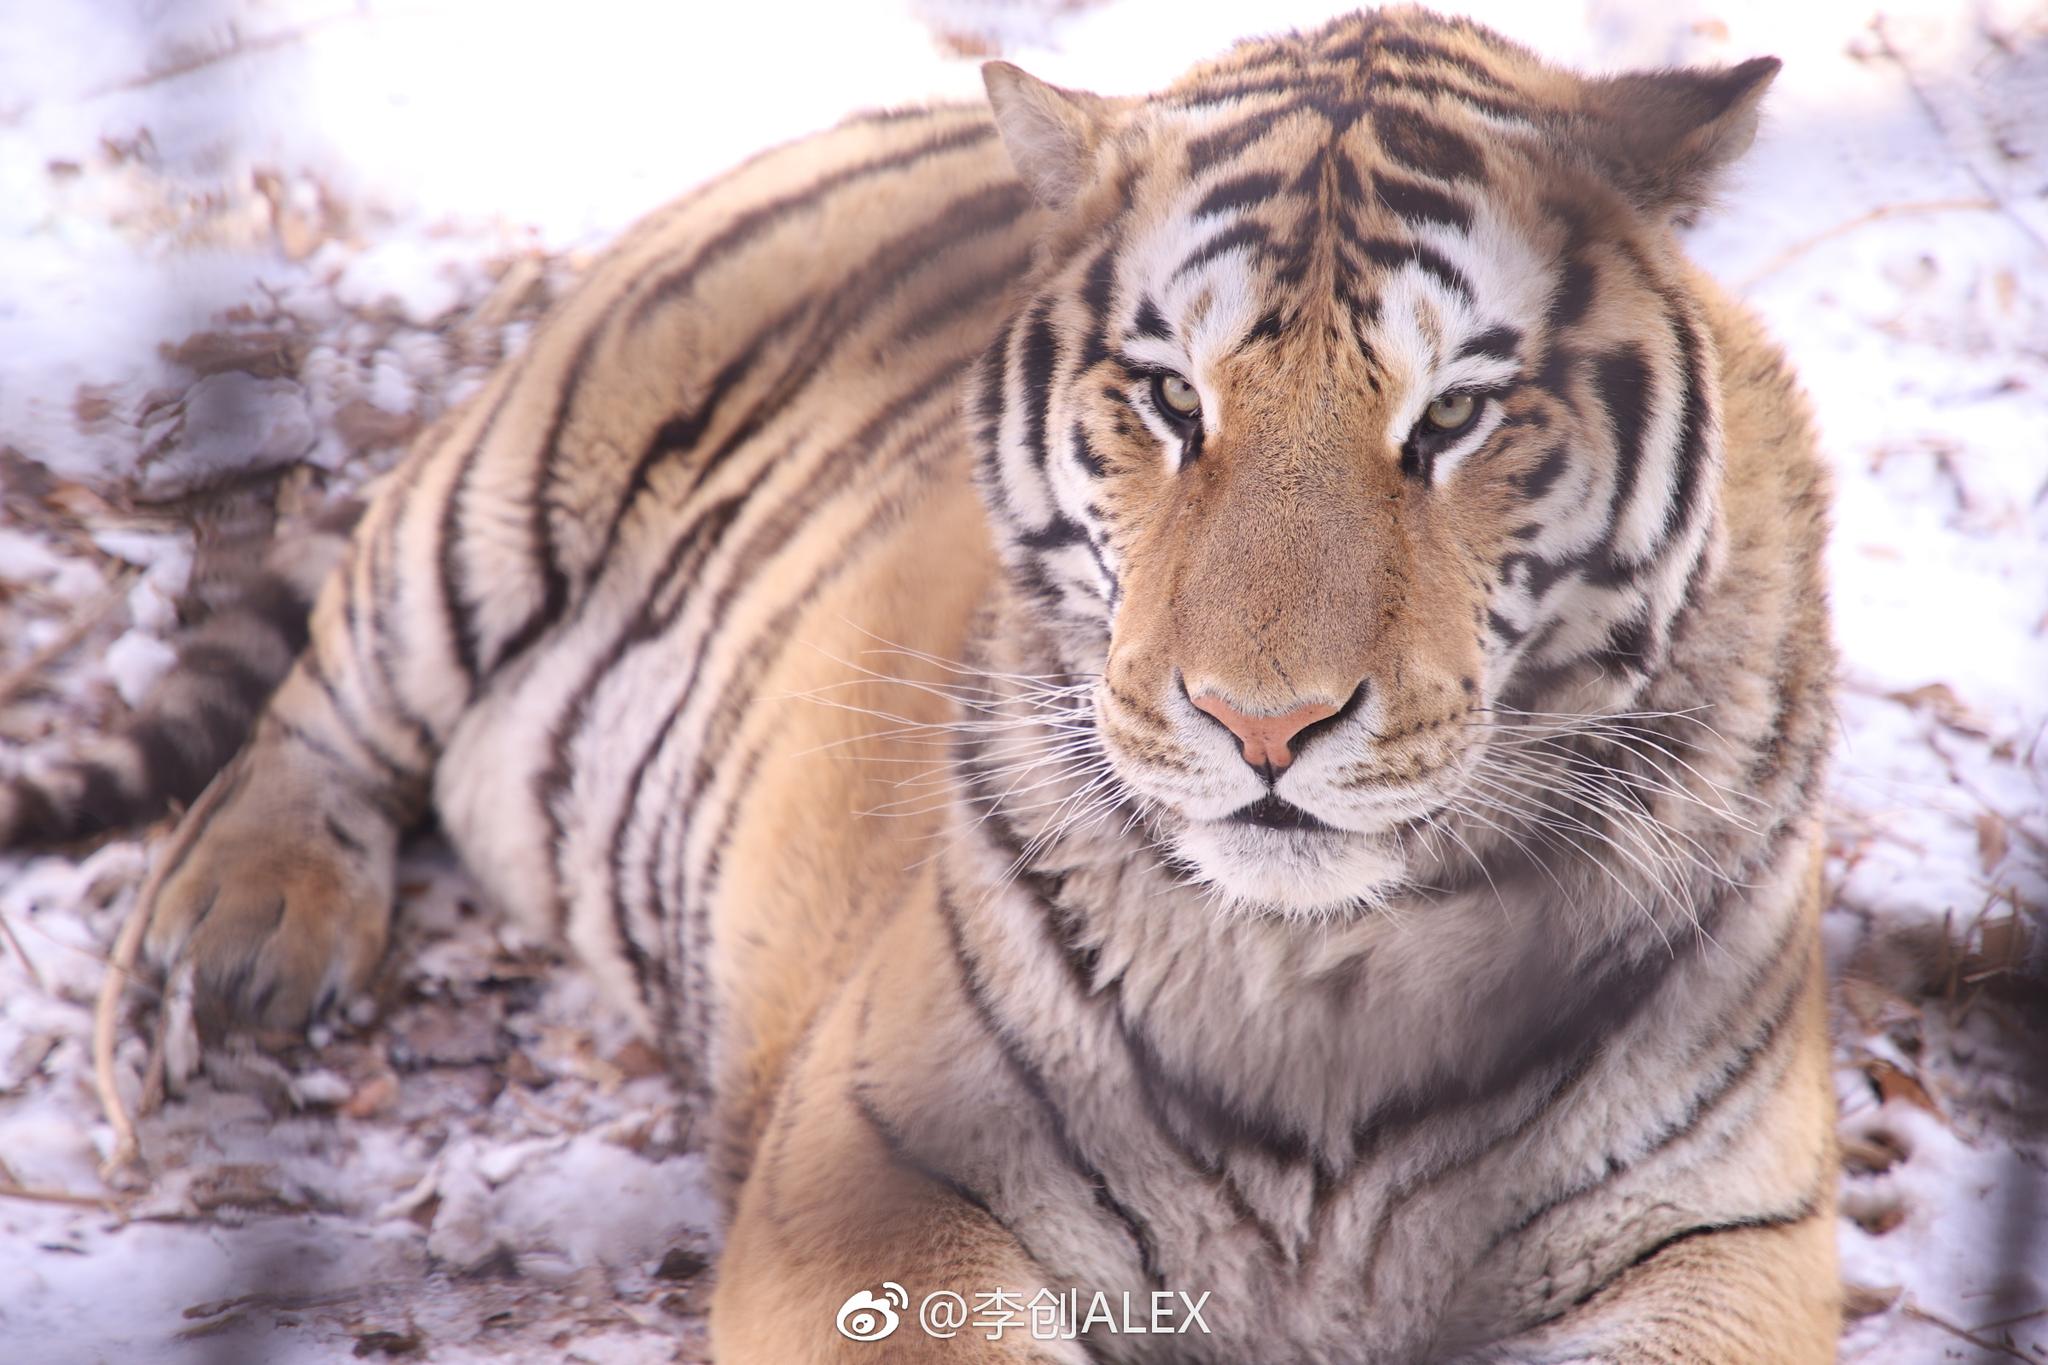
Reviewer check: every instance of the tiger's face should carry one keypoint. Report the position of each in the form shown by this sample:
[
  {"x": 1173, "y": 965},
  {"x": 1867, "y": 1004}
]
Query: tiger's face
[{"x": 1359, "y": 397}]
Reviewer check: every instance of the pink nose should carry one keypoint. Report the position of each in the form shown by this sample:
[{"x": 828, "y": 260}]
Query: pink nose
[{"x": 1265, "y": 738}]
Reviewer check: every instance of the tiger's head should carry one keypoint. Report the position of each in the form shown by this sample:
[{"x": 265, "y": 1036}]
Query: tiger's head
[{"x": 1358, "y": 394}]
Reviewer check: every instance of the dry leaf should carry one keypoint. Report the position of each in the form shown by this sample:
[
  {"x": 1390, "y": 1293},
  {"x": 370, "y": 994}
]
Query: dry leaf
[
  {"x": 1992, "y": 840},
  {"x": 1863, "y": 1300},
  {"x": 637, "y": 1061},
  {"x": 1876, "y": 1216},
  {"x": 1940, "y": 701},
  {"x": 365, "y": 426},
  {"x": 1895, "y": 1084},
  {"x": 1871, "y": 1154},
  {"x": 243, "y": 1186},
  {"x": 373, "y": 1096}
]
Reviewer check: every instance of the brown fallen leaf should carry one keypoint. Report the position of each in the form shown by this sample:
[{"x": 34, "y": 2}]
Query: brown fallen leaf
[
  {"x": 372, "y": 1097},
  {"x": 1893, "y": 1083},
  {"x": 1992, "y": 840},
  {"x": 1940, "y": 701},
  {"x": 241, "y": 1185},
  {"x": 637, "y": 1060},
  {"x": 1871, "y": 1153},
  {"x": 1863, "y": 1300}
]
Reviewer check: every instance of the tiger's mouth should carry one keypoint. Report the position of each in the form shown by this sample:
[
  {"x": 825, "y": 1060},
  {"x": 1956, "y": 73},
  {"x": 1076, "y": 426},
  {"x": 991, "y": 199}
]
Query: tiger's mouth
[
  {"x": 1274, "y": 857},
  {"x": 1273, "y": 811}
]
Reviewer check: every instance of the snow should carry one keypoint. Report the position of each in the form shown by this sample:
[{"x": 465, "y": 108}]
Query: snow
[{"x": 237, "y": 235}]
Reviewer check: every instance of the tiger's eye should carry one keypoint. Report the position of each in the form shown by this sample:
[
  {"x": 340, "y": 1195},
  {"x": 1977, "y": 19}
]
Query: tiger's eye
[
  {"x": 1451, "y": 411},
  {"x": 1178, "y": 397}
]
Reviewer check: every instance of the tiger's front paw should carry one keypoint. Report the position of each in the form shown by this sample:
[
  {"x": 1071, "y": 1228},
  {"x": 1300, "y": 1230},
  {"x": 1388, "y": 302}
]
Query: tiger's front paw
[{"x": 273, "y": 898}]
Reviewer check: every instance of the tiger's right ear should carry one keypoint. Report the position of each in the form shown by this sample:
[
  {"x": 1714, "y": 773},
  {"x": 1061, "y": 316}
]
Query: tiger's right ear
[{"x": 1052, "y": 134}]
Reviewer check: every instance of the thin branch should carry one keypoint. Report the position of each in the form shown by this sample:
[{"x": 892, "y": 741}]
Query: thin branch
[
  {"x": 1913, "y": 208},
  {"x": 127, "y": 1151}
]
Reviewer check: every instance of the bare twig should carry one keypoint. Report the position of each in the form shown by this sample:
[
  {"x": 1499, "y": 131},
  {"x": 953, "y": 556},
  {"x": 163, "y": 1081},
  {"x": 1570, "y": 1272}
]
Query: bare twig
[
  {"x": 238, "y": 47},
  {"x": 7, "y": 928},
  {"x": 1912, "y": 1310},
  {"x": 1913, "y": 208},
  {"x": 1926, "y": 103},
  {"x": 127, "y": 1152},
  {"x": 12, "y": 1188}
]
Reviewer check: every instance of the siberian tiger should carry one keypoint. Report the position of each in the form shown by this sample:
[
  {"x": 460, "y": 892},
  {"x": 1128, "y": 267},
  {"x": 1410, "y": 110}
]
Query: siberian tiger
[{"x": 1346, "y": 595}]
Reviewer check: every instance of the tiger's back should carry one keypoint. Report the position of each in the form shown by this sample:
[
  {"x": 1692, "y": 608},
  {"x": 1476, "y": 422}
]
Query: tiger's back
[{"x": 697, "y": 771}]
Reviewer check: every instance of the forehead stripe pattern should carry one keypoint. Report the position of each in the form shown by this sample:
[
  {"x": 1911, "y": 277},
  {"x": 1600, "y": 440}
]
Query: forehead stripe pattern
[{"x": 1630, "y": 532}]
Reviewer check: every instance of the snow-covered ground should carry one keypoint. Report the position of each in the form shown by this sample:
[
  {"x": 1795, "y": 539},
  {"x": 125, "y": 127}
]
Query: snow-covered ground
[{"x": 239, "y": 235}]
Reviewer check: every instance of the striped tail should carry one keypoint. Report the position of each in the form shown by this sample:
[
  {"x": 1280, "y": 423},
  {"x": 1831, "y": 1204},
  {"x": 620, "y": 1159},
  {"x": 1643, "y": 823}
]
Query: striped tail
[{"x": 198, "y": 714}]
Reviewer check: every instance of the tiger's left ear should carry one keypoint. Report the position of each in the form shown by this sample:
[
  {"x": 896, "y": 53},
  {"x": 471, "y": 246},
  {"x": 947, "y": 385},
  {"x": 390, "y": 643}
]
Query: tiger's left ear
[
  {"x": 1665, "y": 137},
  {"x": 1052, "y": 134}
]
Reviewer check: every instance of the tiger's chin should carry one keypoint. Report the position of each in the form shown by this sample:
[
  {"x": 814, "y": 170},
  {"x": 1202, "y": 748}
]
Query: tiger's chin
[{"x": 1296, "y": 873}]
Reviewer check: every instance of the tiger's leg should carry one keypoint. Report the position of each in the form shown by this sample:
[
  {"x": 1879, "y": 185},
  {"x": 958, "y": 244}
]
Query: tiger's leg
[
  {"x": 275, "y": 891},
  {"x": 1724, "y": 1297},
  {"x": 1749, "y": 1288},
  {"x": 832, "y": 1206}
]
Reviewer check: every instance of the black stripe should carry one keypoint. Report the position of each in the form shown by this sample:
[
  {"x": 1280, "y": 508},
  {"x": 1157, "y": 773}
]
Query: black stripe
[
  {"x": 891, "y": 262},
  {"x": 1287, "y": 80},
  {"x": 395, "y": 773},
  {"x": 681, "y": 433},
  {"x": 1267, "y": 328},
  {"x": 1211, "y": 149},
  {"x": 1061, "y": 530},
  {"x": 1705, "y": 1101},
  {"x": 1425, "y": 146},
  {"x": 844, "y": 468},
  {"x": 1496, "y": 343},
  {"x": 694, "y": 543},
  {"x": 656, "y": 295},
  {"x": 1246, "y": 232},
  {"x": 989, "y": 378},
  {"x": 1574, "y": 294},
  {"x": 1426, "y": 53},
  {"x": 375, "y": 640},
  {"x": 1098, "y": 287},
  {"x": 1420, "y": 203},
  {"x": 455, "y": 602},
  {"x": 1038, "y": 355},
  {"x": 1148, "y": 322},
  {"x": 1621, "y": 380},
  {"x": 956, "y": 303},
  {"x": 1239, "y": 193},
  {"x": 1628, "y": 645},
  {"x": 1792, "y": 1217},
  {"x": 896, "y": 1146},
  {"x": 1536, "y": 482},
  {"x": 1033, "y": 1084},
  {"x": 1392, "y": 255},
  {"x": 1432, "y": 87},
  {"x": 1692, "y": 432},
  {"x": 1084, "y": 454},
  {"x": 762, "y": 218},
  {"x": 341, "y": 834},
  {"x": 1540, "y": 573}
]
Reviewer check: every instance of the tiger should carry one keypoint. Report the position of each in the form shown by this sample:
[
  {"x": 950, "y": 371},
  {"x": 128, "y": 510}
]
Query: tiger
[{"x": 1216, "y": 699}]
